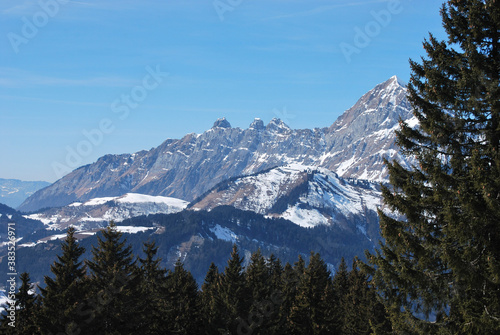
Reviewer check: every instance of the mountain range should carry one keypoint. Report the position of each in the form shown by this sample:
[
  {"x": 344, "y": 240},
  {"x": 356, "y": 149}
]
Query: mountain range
[
  {"x": 266, "y": 187},
  {"x": 353, "y": 147}
]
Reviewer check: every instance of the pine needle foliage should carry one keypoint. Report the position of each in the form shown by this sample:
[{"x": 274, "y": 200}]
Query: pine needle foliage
[{"x": 439, "y": 266}]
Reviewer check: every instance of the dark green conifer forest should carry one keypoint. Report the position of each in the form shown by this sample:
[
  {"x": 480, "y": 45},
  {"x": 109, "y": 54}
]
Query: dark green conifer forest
[{"x": 117, "y": 292}]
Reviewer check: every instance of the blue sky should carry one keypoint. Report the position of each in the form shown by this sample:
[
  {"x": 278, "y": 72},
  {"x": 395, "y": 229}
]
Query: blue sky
[{"x": 81, "y": 79}]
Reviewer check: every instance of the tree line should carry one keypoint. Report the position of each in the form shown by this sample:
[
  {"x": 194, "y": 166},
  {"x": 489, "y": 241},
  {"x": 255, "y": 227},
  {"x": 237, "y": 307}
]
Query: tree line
[{"x": 116, "y": 292}]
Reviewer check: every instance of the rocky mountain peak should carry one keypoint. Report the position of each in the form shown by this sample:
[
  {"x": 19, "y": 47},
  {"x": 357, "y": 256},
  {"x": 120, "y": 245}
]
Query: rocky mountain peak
[
  {"x": 398, "y": 81},
  {"x": 383, "y": 105},
  {"x": 392, "y": 86},
  {"x": 257, "y": 124},
  {"x": 221, "y": 123},
  {"x": 278, "y": 126}
]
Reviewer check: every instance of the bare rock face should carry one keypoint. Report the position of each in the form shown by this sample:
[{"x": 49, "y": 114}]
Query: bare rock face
[
  {"x": 364, "y": 134},
  {"x": 353, "y": 147},
  {"x": 222, "y": 123}
]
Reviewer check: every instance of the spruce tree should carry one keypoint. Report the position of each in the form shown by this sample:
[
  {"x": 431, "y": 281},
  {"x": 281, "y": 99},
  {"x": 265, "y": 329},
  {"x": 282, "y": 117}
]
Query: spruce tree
[
  {"x": 64, "y": 292},
  {"x": 311, "y": 312},
  {"x": 234, "y": 297},
  {"x": 258, "y": 277},
  {"x": 275, "y": 271},
  {"x": 341, "y": 289},
  {"x": 153, "y": 291},
  {"x": 362, "y": 311},
  {"x": 292, "y": 277},
  {"x": 262, "y": 310},
  {"x": 439, "y": 267},
  {"x": 211, "y": 304},
  {"x": 272, "y": 306},
  {"x": 151, "y": 270},
  {"x": 289, "y": 282},
  {"x": 114, "y": 280},
  {"x": 183, "y": 313}
]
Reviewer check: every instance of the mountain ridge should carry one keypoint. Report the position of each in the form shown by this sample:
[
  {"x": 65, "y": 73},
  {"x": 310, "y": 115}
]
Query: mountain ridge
[
  {"x": 353, "y": 146},
  {"x": 305, "y": 195}
]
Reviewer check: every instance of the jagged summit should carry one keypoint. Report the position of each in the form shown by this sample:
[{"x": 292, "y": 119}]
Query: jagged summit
[
  {"x": 276, "y": 125},
  {"x": 368, "y": 127},
  {"x": 391, "y": 86},
  {"x": 257, "y": 124},
  {"x": 384, "y": 103},
  {"x": 221, "y": 123},
  {"x": 397, "y": 80}
]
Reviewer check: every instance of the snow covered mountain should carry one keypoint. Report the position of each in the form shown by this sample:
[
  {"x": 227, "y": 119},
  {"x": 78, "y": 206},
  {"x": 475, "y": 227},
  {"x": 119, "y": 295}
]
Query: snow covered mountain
[
  {"x": 307, "y": 196},
  {"x": 353, "y": 147},
  {"x": 97, "y": 212},
  {"x": 364, "y": 134},
  {"x": 13, "y": 191}
]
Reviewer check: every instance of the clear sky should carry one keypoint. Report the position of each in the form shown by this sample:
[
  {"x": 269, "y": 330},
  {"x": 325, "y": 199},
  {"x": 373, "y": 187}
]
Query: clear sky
[{"x": 81, "y": 79}]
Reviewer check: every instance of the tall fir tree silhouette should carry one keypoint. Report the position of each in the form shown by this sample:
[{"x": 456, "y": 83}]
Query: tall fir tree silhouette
[
  {"x": 64, "y": 292},
  {"x": 439, "y": 265},
  {"x": 153, "y": 307},
  {"x": 311, "y": 312},
  {"x": 115, "y": 285},
  {"x": 183, "y": 301},
  {"x": 234, "y": 295}
]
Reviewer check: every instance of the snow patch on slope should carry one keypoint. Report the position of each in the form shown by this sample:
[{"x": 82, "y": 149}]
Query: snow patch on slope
[
  {"x": 223, "y": 233},
  {"x": 306, "y": 195},
  {"x": 307, "y": 218},
  {"x": 132, "y": 229},
  {"x": 95, "y": 213}
]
